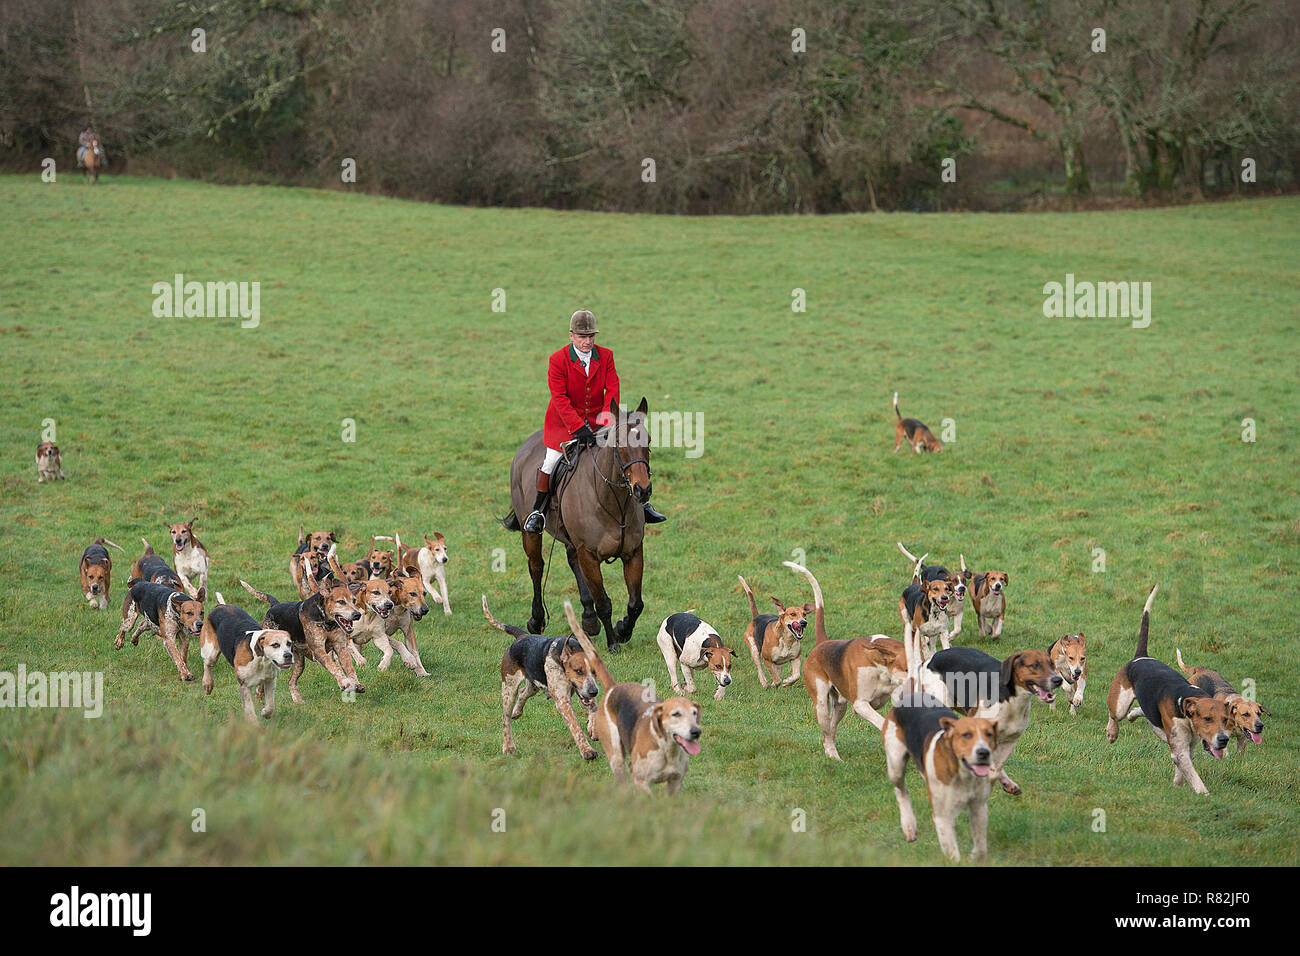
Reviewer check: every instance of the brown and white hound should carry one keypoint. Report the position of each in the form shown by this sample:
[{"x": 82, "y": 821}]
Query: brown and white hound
[
  {"x": 913, "y": 431},
  {"x": 1244, "y": 721},
  {"x": 654, "y": 738},
  {"x": 96, "y": 572},
  {"x": 1179, "y": 712},
  {"x": 954, "y": 755}
]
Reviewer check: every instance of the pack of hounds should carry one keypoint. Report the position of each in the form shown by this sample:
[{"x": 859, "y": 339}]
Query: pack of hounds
[
  {"x": 340, "y": 609},
  {"x": 956, "y": 711}
]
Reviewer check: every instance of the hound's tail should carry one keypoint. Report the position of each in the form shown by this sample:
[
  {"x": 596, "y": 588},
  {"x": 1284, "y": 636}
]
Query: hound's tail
[
  {"x": 256, "y": 593},
  {"x": 753, "y": 608},
  {"x": 819, "y": 622},
  {"x": 508, "y": 628},
  {"x": 382, "y": 537},
  {"x": 606, "y": 678},
  {"x": 1178, "y": 652},
  {"x": 148, "y": 548},
  {"x": 907, "y": 554},
  {"x": 110, "y": 544},
  {"x": 220, "y": 599},
  {"x": 1146, "y": 617},
  {"x": 896, "y": 411}
]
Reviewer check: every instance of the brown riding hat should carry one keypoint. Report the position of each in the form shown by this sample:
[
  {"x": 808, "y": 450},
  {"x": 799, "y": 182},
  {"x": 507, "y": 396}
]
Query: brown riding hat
[{"x": 583, "y": 322}]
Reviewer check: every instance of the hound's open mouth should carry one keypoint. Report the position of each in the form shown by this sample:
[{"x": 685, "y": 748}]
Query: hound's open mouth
[
  {"x": 690, "y": 746},
  {"x": 284, "y": 666},
  {"x": 979, "y": 769},
  {"x": 344, "y": 622},
  {"x": 380, "y": 611},
  {"x": 1046, "y": 696},
  {"x": 1254, "y": 737},
  {"x": 1215, "y": 752},
  {"x": 796, "y": 628},
  {"x": 416, "y": 615}
]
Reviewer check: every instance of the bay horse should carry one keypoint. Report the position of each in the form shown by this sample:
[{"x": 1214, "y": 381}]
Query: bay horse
[
  {"x": 93, "y": 161},
  {"x": 596, "y": 514}
]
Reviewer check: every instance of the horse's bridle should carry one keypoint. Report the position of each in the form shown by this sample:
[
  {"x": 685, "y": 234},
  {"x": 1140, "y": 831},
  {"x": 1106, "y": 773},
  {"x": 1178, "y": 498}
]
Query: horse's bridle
[{"x": 624, "y": 482}]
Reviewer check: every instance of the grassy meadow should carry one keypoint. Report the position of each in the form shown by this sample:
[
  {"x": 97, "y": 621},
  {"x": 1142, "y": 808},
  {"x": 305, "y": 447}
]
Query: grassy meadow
[{"x": 1071, "y": 435}]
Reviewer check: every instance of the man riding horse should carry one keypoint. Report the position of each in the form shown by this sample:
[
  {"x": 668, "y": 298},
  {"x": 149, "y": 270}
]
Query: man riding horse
[
  {"x": 583, "y": 384},
  {"x": 87, "y": 138}
]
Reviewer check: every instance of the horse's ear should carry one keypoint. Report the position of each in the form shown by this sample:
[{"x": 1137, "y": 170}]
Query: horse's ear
[{"x": 644, "y": 407}]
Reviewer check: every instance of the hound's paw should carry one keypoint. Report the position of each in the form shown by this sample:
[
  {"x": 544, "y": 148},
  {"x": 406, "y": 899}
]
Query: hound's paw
[
  {"x": 589, "y": 755},
  {"x": 721, "y": 693},
  {"x": 1010, "y": 786},
  {"x": 909, "y": 834}
]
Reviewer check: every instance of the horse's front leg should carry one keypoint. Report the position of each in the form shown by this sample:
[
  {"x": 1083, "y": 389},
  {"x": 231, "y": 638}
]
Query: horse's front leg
[
  {"x": 589, "y": 565},
  {"x": 590, "y": 622},
  {"x": 633, "y": 568},
  {"x": 536, "y": 564}
]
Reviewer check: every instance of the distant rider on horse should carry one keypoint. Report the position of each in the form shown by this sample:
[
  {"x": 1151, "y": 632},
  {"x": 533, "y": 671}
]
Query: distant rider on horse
[
  {"x": 83, "y": 143},
  {"x": 583, "y": 382}
]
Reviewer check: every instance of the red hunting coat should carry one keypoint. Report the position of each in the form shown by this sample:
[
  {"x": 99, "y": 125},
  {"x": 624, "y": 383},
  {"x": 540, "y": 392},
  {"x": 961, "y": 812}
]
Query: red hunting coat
[{"x": 577, "y": 398}]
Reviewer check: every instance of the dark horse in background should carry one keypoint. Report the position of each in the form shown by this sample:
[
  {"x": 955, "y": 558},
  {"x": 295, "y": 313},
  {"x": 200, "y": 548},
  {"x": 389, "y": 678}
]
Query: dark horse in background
[{"x": 596, "y": 514}]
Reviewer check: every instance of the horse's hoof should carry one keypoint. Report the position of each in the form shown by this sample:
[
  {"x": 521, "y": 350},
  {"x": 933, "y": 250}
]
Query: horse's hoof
[
  {"x": 612, "y": 646},
  {"x": 535, "y": 626}
]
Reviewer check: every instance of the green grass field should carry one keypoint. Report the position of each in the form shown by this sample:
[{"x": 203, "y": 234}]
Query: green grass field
[{"x": 1071, "y": 435}]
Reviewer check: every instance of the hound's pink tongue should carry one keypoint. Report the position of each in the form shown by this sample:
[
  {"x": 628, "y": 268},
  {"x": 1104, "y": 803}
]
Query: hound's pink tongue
[
  {"x": 1218, "y": 754},
  {"x": 1254, "y": 737},
  {"x": 979, "y": 769},
  {"x": 1045, "y": 696},
  {"x": 690, "y": 746}
]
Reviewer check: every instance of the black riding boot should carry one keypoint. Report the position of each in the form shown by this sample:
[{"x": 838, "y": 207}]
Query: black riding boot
[
  {"x": 536, "y": 520},
  {"x": 652, "y": 516}
]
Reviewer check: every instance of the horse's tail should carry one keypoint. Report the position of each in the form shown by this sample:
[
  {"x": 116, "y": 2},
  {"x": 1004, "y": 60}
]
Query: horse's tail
[
  {"x": 819, "y": 623},
  {"x": 753, "y": 608},
  {"x": 508, "y": 628},
  {"x": 606, "y": 678},
  {"x": 510, "y": 522}
]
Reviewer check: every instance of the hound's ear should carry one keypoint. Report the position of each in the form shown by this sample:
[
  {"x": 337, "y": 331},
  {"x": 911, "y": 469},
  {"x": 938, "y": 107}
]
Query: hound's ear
[
  {"x": 1264, "y": 711},
  {"x": 1009, "y": 670},
  {"x": 254, "y": 642},
  {"x": 1006, "y": 578},
  {"x": 202, "y": 595},
  {"x": 809, "y": 608},
  {"x": 697, "y": 711},
  {"x": 559, "y": 649},
  {"x": 657, "y": 713},
  {"x": 778, "y": 603},
  {"x": 644, "y": 407},
  {"x": 995, "y": 729},
  {"x": 355, "y": 586},
  {"x": 333, "y": 536},
  {"x": 438, "y": 536},
  {"x": 947, "y": 723},
  {"x": 613, "y": 408}
]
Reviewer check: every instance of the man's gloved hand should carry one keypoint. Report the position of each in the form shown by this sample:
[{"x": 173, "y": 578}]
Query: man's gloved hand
[{"x": 585, "y": 435}]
